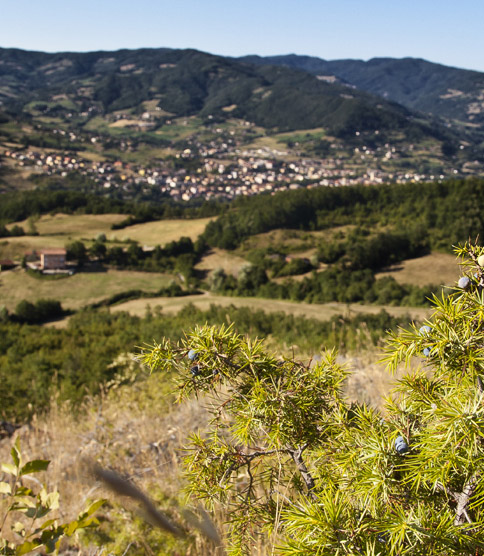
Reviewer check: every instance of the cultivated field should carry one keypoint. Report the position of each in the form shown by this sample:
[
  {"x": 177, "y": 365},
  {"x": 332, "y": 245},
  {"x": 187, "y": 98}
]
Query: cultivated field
[{"x": 78, "y": 290}]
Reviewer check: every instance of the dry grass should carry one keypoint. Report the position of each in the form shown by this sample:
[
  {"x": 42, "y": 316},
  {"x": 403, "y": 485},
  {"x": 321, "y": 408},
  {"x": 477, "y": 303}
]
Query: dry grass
[
  {"x": 78, "y": 290},
  {"x": 437, "y": 268},
  {"x": 74, "y": 225},
  {"x": 133, "y": 429},
  {"x": 316, "y": 311},
  {"x": 161, "y": 232},
  {"x": 218, "y": 258},
  {"x": 136, "y": 430}
]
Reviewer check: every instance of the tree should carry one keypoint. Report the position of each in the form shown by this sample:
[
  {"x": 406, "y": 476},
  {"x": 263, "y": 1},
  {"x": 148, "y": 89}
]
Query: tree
[
  {"x": 288, "y": 454},
  {"x": 76, "y": 250}
]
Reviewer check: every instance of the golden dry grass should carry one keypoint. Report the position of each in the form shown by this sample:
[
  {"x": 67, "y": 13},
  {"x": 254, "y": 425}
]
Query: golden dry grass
[
  {"x": 218, "y": 258},
  {"x": 315, "y": 311},
  {"x": 437, "y": 268},
  {"x": 78, "y": 290},
  {"x": 59, "y": 229},
  {"x": 74, "y": 225},
  {"x": 161, "y": 232},
  {"x": 136, "y": 430}
]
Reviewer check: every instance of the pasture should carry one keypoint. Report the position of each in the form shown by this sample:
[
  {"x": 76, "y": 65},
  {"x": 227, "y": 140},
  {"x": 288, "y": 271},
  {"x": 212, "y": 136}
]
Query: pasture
[
  {"x": 59, "y": 229},
  {"x": 78, "y": 290}
]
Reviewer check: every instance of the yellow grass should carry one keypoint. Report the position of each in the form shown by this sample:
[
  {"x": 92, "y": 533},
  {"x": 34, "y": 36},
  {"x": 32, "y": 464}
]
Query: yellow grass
[
  {"x": 315, "y": 311},
  {"x": 78, "y": 290},
  {"x": 218, "y": 258},
  {"x": 74, "y": 225},
  {"x": 59, "y": 229},
  {"x": 437, "y": 268},
  {"x": 161, "y": 232}
]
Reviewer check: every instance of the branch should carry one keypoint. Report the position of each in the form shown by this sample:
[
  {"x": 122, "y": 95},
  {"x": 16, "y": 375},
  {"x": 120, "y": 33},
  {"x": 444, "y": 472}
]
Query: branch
[
  {"x": 303, "y": 470},
  {"x": 462, "y": 499}
]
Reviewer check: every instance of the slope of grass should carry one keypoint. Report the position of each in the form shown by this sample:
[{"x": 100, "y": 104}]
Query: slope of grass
[{"x": 78, "y": 290}]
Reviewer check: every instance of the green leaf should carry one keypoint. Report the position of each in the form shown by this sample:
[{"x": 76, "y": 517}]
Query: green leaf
[
  {"x": 5, "y": 488},
  {"x": 93, "y": 507},
  {"x": 9, "y": 468},
  {"x": 47, "y": 523},
  {"x": 26, "y": 547},
  {"x": 35, "y": 466},
  {"x": 71, "y": 528},
  {"x": 15, "y": 452}
]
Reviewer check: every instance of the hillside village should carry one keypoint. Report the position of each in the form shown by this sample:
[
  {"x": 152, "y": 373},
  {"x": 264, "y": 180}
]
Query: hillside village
[{"x": 226, "y": 172}]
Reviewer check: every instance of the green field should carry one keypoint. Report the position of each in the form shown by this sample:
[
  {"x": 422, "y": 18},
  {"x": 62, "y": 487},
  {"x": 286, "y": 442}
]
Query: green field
[{"x": 78, "y": 290}]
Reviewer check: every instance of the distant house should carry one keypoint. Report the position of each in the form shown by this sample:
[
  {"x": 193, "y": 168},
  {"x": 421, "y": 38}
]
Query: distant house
[{"x": 52, "y": 259}]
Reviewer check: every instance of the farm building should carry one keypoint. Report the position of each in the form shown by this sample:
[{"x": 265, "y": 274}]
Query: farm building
[{"x": 52, "y": 259}]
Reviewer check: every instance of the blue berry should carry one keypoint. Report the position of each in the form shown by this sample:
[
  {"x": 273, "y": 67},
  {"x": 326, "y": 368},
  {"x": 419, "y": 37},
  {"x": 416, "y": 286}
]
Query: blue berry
[
  {"x": 195, "y": 370},
  {"x": 464, "y": 282},
  {"x": 426, "y": 352},
  {"x": 400, "y": 445},
  {"x": 425, "y": 329},
  {"x": 192, "y": 355}
]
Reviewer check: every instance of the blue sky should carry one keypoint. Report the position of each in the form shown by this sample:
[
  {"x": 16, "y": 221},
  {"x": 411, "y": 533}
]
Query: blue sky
[{"x": 444, "y": 31}]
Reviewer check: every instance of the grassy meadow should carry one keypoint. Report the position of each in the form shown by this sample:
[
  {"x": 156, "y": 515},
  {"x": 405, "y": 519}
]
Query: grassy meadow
[
  {"x": 78, "y": 290},
  {"x": 59, "y": 229}
]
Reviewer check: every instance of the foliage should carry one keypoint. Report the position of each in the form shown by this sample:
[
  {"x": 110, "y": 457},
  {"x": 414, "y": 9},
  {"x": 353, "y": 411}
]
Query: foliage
[
  {"x": 288, "y": 454},
  {"x": 37, "y": 363},
  {"x": 74, "y": 195},
  {"x": 34, "y": 530},
  {"x": 39, "y": 312},
  {"x": 435, "y": 214}
]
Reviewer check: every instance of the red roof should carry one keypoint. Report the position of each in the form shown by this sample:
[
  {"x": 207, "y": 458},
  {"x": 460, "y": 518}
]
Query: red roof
[{"x": 59, "y": 251}]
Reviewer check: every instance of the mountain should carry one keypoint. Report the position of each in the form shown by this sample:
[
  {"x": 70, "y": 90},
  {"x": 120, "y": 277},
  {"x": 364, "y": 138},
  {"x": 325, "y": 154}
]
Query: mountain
[
  {"x": 447, "y": 92},
  {"x": 189, "y": 82}
]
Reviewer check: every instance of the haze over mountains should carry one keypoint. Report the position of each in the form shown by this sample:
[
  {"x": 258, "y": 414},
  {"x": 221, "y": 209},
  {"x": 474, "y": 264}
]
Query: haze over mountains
[{"x": 281, "y": 92}]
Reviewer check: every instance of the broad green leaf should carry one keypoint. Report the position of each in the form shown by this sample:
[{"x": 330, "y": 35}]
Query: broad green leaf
[
  {"x": 34, "y": 466},
  {"x": 93, "y": 507},
  {"x": 71, "y": 528},
  {"x": 26, "y": 547},
  {"x": 15, "y": 452},
  {"x": 47, "y": 523},
  {"x": 9, "y": 468},
  {"x": 5, "y": 488}
]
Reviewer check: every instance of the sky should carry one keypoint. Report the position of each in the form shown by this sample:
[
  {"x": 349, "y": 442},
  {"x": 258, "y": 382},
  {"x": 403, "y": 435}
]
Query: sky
[{"x": 449, "y": 32}]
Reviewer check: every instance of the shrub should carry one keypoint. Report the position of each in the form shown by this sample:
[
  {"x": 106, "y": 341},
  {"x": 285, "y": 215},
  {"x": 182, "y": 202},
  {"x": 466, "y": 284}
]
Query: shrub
[
  {"x": 287, "y": 454},
  {"x": 33, "y": 531}
]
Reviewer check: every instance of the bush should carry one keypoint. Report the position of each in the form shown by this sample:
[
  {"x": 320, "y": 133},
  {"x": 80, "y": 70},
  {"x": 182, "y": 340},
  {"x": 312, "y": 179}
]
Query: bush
[
  {"x": 32, "y": 531},
  {"x": 287, "y": 454},
  {"x": 38, "y": 312}
]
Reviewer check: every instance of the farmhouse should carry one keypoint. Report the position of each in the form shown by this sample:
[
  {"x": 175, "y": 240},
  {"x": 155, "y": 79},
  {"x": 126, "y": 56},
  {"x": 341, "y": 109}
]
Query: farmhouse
[{"x": 52, "y": 259}]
